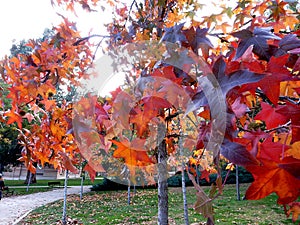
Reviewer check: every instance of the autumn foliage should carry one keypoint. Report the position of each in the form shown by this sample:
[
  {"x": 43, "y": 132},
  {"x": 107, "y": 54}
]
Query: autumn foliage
[{"x": 251, "y": 52}]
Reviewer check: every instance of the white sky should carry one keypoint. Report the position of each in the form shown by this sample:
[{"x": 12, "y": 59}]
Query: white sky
[{"x": 25, "y": 19}]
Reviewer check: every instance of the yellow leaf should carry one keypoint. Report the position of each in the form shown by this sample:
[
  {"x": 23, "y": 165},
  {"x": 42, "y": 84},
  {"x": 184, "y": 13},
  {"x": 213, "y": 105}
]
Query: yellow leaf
[
  {"x": 230, "y": 166},
  {"x": 284, "y": 138},
  {"x": 193, "y": 161},
  {"x": 294, "y": 151},
  {"x": 290, "y": 21},
  {"x": 287, "y": 88},
  {"x": 198, "y": 152}
]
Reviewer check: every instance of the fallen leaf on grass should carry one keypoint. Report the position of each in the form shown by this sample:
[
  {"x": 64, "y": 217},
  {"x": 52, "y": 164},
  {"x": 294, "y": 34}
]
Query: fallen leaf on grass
[{"x": 295, "y": 210}]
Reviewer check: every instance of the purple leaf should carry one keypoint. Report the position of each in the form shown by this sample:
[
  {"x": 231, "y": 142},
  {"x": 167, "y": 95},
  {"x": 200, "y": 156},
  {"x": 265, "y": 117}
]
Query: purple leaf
[
  {"x": 237, "y": 153},
  {"x": 258, "y": 38}
]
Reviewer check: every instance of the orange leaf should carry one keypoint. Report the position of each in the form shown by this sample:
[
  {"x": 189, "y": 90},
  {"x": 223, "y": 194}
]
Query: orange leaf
[
  {"x": 31, "y": 168},
  {"x": 192, "y": 161},
  {"x": 271, "y": 177},
  {"x": 295, "y": 210},
  {"x": 48, "y": 104},
  {"x": 294, "y": 151},
  {"x": 131, "y": 153},
  {"x": 14, "y": 117},
  {"x": 205, "y": 114}
]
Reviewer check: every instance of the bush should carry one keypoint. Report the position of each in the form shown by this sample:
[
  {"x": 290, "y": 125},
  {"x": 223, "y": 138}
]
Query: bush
[
  {"x": 175, "y": 181},
  {"x": 108, "y": 185}
]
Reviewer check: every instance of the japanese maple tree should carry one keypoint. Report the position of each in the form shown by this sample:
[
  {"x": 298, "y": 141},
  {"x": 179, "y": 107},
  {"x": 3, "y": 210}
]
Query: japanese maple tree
[{"x": 238, "y": 97}]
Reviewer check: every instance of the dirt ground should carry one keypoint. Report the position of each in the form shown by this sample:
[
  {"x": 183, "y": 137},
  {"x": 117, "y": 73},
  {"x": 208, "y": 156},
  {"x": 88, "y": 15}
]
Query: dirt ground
[{"x": 14, "y": 208}]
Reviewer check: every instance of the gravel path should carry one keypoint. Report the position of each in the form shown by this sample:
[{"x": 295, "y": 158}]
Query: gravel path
[{"x": 14, "y": 208}]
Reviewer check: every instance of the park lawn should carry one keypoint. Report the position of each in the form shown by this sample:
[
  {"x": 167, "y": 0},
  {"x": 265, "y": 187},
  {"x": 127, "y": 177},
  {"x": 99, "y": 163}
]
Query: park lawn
[
  {"x": 110, "y": 207},
  {"x": 71, "y": 182},
  {"x": 23, "y": 191},
  {"x": 43, "y": 185}
]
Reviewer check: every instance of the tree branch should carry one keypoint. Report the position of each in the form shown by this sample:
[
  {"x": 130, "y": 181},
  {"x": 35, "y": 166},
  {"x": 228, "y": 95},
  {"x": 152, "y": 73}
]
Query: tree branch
[{"x": 76, "y": 43}]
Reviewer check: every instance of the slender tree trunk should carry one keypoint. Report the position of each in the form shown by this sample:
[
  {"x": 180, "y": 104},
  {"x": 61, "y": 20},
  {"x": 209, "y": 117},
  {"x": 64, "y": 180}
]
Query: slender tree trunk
[
  {"x": 185, "y": 206},
  {"x": 64, "y": 214},
  {"x": 237, "y": 183},
  {"x": 81, "y": 187},
  {"x": 28, "y": 183},
  {"x": 162, "y": 184},
  {"x": 30, "y": 178},
  {"x": 20, "y": 173},
  {"x": 128, "y": 194},
  {"x": 197, "y": 175}
]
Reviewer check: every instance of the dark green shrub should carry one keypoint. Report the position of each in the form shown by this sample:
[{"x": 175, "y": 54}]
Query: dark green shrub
[
  {"x": 108, "y": 185},
  {"x": 175, "y": 181}
]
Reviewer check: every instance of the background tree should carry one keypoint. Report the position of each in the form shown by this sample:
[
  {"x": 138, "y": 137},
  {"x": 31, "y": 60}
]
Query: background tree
[{"x": 10, "y": 150}]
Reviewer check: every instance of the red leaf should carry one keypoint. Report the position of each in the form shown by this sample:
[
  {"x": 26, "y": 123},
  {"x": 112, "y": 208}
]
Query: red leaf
[
  {"x": 292, "y": 112},
  {"x": 205, "y": 175},
  {"x": 273, "y": 151},
  {"x": 155, "y": 103},
  {"x": 254, "y": 137},
  {"x": 91, "y": 172},
  {"x": 270, "y": 84},
  {"x": 270, "y": 116},
  {"x": 67, "y": 163},
  {"x": 168, "y": 73}
]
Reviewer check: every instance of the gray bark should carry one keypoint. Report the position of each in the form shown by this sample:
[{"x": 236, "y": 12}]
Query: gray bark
[
  {"x": 162, "y": 184},
  {"x": 81, "y": 187},
  {"x": 30, "y": 178},
  {"x": 237, "y": 183},
  {"x": 28, "y": 183},
  {"x": 128, "y": 194}
]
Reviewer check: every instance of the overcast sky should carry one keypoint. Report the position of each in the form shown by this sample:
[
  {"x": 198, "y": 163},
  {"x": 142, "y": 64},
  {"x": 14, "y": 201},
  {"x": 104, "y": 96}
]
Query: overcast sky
[{"x": 25, "y": 19}]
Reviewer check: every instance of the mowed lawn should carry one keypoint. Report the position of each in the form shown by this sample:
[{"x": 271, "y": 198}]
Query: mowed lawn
[
  {"x": 20, "y": 188},
  {"x": 111, "y": 207}
]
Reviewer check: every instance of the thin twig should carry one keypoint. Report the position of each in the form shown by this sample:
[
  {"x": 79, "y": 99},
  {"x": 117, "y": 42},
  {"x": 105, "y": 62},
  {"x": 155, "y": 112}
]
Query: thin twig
[
  {"x": 97, "y": 47},
  {"x": 129, "y": 12},
  {"x": 285, "y": 126},
  {"x": 88, "y": 37},
  {"x": 192, "y": 121}
]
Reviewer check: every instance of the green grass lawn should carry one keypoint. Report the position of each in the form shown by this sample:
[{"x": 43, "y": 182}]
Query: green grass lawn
[
  {"x": 111, "y": 207},
  {"x": 71, "y": 182},
  {"x": 43, "y": 183}
]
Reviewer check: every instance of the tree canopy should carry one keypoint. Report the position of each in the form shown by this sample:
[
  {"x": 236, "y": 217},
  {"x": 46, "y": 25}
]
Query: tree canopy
[{"x": 226, "y": 83}]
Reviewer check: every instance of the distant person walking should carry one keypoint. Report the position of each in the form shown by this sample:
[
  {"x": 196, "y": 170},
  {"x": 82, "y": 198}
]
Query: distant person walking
[{"x": 2, "y": 185}]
